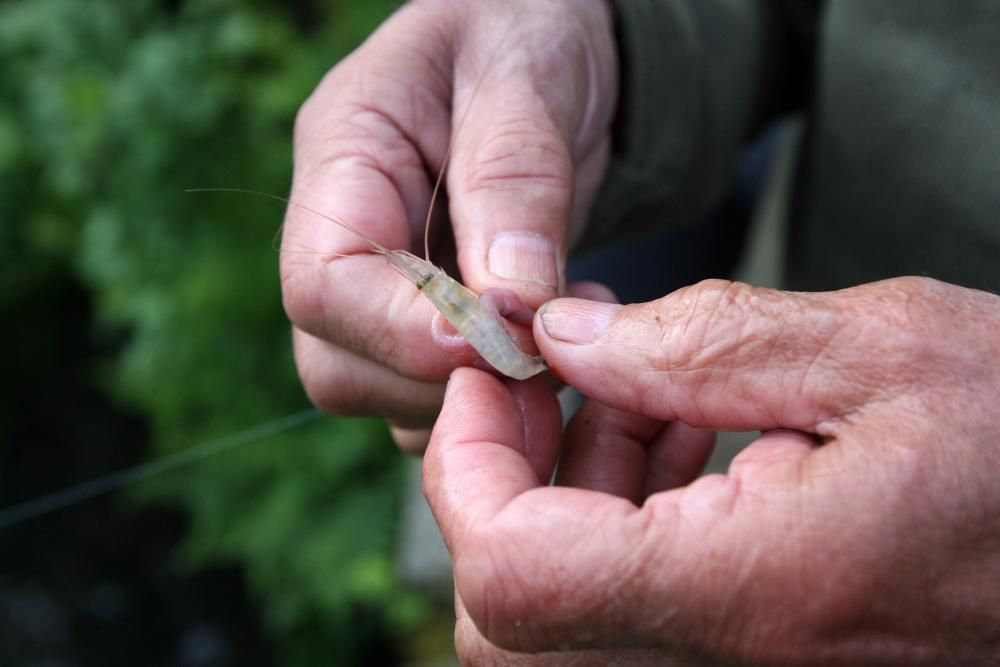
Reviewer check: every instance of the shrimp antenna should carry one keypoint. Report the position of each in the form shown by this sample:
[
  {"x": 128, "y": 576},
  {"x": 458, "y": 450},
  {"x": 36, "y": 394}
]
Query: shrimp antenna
[
  {"x": 276, "y": 246},
  {"x": 451, "y": 144},
  {"x": 378, "y": 247}
]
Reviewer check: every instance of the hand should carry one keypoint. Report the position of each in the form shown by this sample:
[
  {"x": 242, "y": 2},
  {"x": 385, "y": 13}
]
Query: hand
[
  {"x": 861, "y": 528},
  {"x": 538, "y": 78}
]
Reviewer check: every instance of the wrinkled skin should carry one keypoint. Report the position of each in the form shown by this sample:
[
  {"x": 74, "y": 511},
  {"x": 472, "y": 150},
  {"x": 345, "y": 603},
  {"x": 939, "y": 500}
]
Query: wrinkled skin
[
  {"x": 527, "y": 89},
  {"x": 861, "y": 528}
]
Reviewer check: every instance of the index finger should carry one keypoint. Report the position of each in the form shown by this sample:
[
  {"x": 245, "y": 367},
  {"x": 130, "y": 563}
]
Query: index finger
[
  {"x": 542, "y": 567},
  {"x": 491, "y": 443},
  {"x": 365, "y": 143}
]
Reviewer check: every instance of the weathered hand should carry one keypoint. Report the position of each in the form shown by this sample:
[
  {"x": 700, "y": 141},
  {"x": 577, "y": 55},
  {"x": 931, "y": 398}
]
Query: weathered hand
[
  {"x": 538, "y": 78},
  {"x": 861, "y": 528}
]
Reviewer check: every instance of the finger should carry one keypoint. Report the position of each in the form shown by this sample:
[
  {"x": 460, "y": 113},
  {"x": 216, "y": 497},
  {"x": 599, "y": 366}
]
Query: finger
[
  {"x": 498, "y": 440},
  {"x": 517, "y": 546},
  {"x": 410, "y": 440},
  {"x": 362, "y": 144},
  {"x": 676, "y": 457},
  {"x": 541, "y": 424},
  {"x": 605, "y": 450},
  {"x": 525, "y": 124},
  {"x": 511, "y": 196},
  {"x": 376, "y": 122},
  {"x": 629, "y": 455},
  {"x": 474, "y": 649},
  {"x": 723, "y": 355},
  {"x": 342, "y": 383},
  {"x": 776, "y": 456}
]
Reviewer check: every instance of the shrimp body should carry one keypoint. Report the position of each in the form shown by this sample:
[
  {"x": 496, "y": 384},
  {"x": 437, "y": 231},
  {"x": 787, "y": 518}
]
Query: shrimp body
[{"x": 462, "y": 308}]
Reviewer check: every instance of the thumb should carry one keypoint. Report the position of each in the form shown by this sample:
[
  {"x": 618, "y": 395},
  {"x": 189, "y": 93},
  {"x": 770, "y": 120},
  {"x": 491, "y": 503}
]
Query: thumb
[
  {"x": 531, "y": 144},
  {"x": 724, "y": 355},
  {"x": 512, "y": 189}
]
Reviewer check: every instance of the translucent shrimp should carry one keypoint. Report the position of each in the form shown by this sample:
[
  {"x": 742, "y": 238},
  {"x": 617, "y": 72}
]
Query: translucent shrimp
[
  {"x": 477, "y": 322},
  {"x": 480, "y": 325}
]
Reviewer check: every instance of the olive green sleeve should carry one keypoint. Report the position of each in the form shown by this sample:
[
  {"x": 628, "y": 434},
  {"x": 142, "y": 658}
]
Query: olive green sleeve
[{"x": 698, "y": 78}]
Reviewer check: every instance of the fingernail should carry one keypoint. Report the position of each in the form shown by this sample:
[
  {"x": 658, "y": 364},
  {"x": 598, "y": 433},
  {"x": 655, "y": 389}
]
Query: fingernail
[
  {"x": 525, "y": 257},
  {"x": 577, "y": 321}
]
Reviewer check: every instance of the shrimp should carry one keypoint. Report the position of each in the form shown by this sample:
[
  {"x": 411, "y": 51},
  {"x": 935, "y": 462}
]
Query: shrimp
[{"x": 477, "y": 322}]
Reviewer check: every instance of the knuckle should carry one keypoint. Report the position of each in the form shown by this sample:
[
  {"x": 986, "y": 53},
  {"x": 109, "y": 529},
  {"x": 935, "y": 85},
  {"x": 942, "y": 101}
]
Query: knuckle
[
  {"x": 519, "y": 153},
  {"x": 362, "y": 122},
  {"x": 311, "y": 116},
  {"x": 366, "y": 139},
  {"x": 902, "y": 303},
  {"x": 304, "y": 117},
  {"x": 337, "y": 394},
  {"x": 898, "y": 329},
  {"x": 915, "y": 287},
  {"x": 330, "y": 385},
  {"x": 296, "y": 299},
  {"x": 703, "y": 327},
  {"x": 925, "y": 335},
  {"x": 384, "y": 350}
]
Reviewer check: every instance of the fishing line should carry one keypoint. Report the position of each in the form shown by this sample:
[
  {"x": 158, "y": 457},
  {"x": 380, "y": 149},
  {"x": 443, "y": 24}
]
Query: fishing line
[{"x": 57, "y": 500}]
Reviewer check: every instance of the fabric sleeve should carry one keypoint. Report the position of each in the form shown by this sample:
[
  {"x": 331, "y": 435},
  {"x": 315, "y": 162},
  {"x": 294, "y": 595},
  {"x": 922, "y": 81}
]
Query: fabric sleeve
[{"x": 698, "y": 79}]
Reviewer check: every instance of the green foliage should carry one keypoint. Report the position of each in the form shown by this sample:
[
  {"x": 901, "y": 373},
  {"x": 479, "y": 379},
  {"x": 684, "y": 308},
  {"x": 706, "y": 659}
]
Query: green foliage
[{"x": 108, "y": 111}]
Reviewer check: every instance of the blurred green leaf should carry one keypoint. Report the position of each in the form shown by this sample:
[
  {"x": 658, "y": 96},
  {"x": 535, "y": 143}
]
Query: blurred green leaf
[{"x": 108, "y": 111}]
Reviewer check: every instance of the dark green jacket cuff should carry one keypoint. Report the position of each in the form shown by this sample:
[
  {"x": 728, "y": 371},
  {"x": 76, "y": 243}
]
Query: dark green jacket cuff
[{"x": 697, "y": 79}]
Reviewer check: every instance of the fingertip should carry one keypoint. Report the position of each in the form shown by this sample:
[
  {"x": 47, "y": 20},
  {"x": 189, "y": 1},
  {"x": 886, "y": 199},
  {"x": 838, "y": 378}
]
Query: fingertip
[
  {"x": 775, "y": 454},
  {"x": 541, "y": 417},
  {"x": 478, "y": 408},
  {"x": 474, "y": 464},
  {"x": 410, "y": 440},
  {"x": 579, "y": 318},
  {"x": 589, "y": 345},
  {"x": 523, "y": 415},
  {"x": 467, "y": 384},
  {"x": 575, "y": 321},
  {"x": 448, "y": 338},
  {"x": 524, "y": 263},
  {"x": 508, "y": 305},
  {"x": 528, "y": 261}
]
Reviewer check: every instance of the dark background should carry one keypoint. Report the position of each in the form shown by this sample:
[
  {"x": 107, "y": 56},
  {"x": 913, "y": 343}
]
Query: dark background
[{"x": 139, "y": 321}]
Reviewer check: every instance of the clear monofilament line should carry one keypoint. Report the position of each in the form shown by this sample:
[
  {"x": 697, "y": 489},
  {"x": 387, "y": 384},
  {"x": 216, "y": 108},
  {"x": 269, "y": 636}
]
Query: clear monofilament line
[
  {"x": 78, "y": 493},
  {"x": 451, "y": 142}
]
